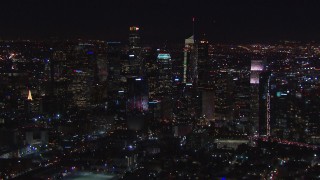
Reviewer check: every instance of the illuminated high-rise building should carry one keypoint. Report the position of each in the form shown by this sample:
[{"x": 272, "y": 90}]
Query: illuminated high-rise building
[
  {"x": 264, "y": 104},
  {"x": 137, "y": 93},
  {"x": 134, "y": 37},
  {"x": 203, "y": 70},
  {"x": 224, "y": 96},
  {"x": 163, "y": 90},
  {"x": 137, "y": 101},
  {"x": 88, "y": 76},
  {"x": 133, "y": 64},
  {"x": 190, "y": 61},
  {"x": 203, "y": 62},
  {"x": 257, "y": 66},
  {"x": 191, "y": 98},
  {"x": 165, "y": 80}
]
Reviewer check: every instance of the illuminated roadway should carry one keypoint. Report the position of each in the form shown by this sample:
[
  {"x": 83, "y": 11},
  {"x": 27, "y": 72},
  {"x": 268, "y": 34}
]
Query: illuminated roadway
[{"x": 286, "y": 142}]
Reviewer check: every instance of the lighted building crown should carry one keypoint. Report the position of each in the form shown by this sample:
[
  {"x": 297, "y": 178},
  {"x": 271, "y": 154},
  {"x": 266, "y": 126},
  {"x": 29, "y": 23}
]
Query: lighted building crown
[
  {"x": 134, "y": 28},
  {"x": 29, "y": 96}
]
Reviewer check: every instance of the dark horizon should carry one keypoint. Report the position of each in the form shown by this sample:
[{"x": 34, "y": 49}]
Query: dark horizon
[{"x": 227, "y": 21}]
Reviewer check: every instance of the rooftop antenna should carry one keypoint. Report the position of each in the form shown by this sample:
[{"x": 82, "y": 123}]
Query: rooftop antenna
[{"x": 193, "y": 20}]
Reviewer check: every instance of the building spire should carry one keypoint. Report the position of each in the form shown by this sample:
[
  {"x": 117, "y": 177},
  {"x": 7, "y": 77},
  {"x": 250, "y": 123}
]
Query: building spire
[
  {"x": 193, "y": 21},
  {"x": 29, "y": 96}
]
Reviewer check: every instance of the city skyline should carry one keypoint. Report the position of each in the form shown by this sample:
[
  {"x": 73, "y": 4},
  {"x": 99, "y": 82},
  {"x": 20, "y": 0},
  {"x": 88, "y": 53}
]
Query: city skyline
[{"x": 159, "y": 90}]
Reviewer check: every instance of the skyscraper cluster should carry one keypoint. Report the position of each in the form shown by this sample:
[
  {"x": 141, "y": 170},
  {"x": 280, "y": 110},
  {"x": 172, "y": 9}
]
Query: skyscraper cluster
[{"x": 189, "y": 110}]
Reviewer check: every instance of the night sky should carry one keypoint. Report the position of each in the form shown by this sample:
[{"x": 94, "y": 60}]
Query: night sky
[{"x": 221, "y": 20}]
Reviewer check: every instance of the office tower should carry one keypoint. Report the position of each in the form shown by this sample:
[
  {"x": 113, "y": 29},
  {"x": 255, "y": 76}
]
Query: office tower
[
  {"x": 286, "y": 115},
  {"x": 185, "y": 108},
  {"x": 264, "y": 104},
  {"x": 164, "y": 68},
  {"x": 56, "y": 95},
  {"x": 132, "y": 74},
  {"x": 242, "y": 96},
  {"x": 137, "y": 93},
  {"x": 114, "y": 54},
  {"x": 59, "y": 65},
  {"x": 84, "y": 75},
  {"x": 191, "y": 97},
  {"x": 224, "y": 96},
  {"x": 208, "y": 98},
  {"x": 203, "y": 62},
  {"x": 133, "y": 66},
  {"x": 99, "y": 92},
  {"x": 293, "y": 106},
  {"x": 205, "y": 90},
  {"x": 132, "y": 84},
  {"x": 257, "y": 66},
  {"x": 190, "y": 61},
  {"x": 137, "y": 102},
  {"x": 163, "y": 85},
  {"x": 134, "y": 37}
]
